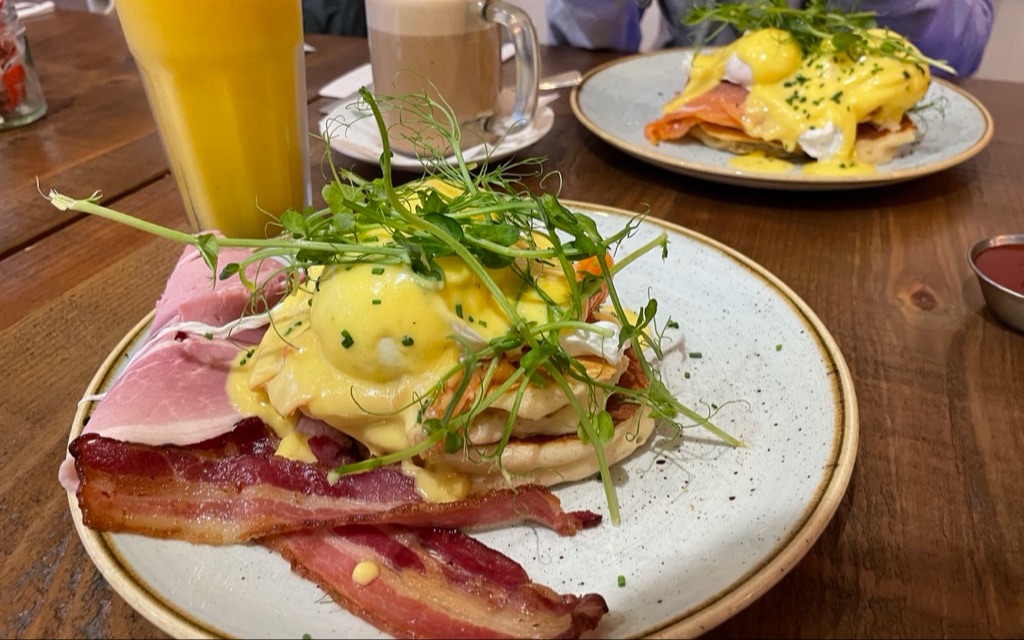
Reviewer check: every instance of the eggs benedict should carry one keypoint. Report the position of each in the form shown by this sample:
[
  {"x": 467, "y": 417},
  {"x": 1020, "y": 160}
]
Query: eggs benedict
[
  {"x": 766, "y": 93},
  {"x": 475, "y": 380}
]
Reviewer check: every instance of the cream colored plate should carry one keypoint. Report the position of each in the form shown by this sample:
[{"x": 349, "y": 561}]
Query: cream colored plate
[
  {"x": 617, "y": 99},
  {"x": 705, "y": 528}
]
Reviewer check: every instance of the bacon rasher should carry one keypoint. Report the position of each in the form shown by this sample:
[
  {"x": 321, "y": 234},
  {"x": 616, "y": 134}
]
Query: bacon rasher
[
  {"x": 234, "y": 489},
  {"x": 434, "y": 583}
]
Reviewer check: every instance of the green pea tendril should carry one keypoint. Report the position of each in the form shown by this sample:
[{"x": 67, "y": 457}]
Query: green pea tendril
[{"x": 817, "y": 28}]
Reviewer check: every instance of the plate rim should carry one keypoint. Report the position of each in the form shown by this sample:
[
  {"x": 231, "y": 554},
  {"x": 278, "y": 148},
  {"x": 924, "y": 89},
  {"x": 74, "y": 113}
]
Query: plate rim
[
  {"x": 819, "y": 511},
  {"x": 715, "y": 609},
  {"x": 406, "y": 163},
  {"x": 769, "y": 180},
  {"x": 98, "y": 546}
]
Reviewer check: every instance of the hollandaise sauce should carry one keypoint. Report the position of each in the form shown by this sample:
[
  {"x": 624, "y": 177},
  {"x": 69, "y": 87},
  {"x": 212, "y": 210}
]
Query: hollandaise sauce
[
  {"x": 365, "y": 572},
  {"x": 838, "y": 168},
  {"x": 759, "y": 161}
]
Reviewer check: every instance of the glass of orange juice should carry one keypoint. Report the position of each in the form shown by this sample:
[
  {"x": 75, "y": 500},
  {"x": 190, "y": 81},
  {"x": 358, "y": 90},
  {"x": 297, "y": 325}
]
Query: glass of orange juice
[{"x": 226, "y": 83}]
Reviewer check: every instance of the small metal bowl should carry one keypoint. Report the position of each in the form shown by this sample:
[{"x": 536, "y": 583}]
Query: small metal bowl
[{"x": 1005, "y": 304}]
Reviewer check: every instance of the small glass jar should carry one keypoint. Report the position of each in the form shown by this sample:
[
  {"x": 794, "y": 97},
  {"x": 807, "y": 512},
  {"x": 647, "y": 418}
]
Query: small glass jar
[{"x": 21, "y": 97}]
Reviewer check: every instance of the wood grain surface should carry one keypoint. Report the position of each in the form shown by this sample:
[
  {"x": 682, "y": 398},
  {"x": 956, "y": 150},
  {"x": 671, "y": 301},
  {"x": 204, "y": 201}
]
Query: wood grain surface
[{"x": 929, "y": 539}]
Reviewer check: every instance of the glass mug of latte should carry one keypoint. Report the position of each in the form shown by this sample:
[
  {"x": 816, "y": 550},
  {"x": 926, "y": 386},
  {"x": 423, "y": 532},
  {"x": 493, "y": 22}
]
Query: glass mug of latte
[{"x": 450, "y": 51}]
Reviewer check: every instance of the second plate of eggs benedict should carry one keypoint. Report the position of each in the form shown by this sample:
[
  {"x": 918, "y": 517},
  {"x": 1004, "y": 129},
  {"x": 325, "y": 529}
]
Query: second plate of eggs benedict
[{"x": 771, "y": 93}]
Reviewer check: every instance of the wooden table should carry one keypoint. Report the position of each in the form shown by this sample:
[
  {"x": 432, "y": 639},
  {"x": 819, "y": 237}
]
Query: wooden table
[{"x": 929, "y": 539}]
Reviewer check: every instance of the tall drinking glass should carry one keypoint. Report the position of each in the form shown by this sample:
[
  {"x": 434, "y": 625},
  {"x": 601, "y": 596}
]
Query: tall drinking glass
[{"x": 226, "y": 83}]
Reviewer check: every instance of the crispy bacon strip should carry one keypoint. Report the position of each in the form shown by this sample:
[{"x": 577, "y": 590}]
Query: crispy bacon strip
[
  {"x": 233, "y": 489},
  {"x": 434, "y": 583},
  {"x": 722, "y": 105}
]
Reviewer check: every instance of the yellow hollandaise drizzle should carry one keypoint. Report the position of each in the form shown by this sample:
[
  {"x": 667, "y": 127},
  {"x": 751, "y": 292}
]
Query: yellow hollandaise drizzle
[
  {"x": 365, "y": 572},
  {"x": 759, "y": 161},
  {"x": 838, "y": 168}
]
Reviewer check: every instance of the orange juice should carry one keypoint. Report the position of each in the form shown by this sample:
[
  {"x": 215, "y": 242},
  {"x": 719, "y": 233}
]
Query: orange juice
[{"x": 226, "y": 83}]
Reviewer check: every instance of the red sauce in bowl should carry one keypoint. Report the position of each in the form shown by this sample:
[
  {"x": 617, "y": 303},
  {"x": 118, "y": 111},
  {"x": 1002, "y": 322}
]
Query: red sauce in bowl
[{"x": 1004, "y": 265}]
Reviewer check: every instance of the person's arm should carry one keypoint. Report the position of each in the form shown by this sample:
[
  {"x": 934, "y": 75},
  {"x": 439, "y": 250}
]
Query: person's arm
[
  {"x": 956, "y": 31},
  {"x": 595, "y": 24}
]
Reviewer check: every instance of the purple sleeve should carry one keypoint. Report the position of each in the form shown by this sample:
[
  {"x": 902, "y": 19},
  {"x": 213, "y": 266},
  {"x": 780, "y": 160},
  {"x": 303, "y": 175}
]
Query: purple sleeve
[
  {"x": 594, "y": 24},
  {"x": 956, "y": 31}
]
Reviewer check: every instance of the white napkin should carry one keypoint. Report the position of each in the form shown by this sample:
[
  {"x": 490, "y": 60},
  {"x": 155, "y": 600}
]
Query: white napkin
[
  {"x": 29, "y": 9},
  {"x": 347, "y": 85}
]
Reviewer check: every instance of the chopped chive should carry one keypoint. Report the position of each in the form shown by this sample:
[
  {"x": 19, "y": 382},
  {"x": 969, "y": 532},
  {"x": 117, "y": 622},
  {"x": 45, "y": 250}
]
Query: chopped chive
[
  {"x": 346, "y": 339},
  {"x": 482, "y": 323},
  {"x": 686, "y": 374},
  {"x": 458, "y": 310},
  {"x": 375, "y": 301},
  {"x": 377, "y": 271},
  {"x": 778, "y": 347},
  {"x": 671, "y": 324},
  {"x": 208, "y": 335},
  {"x": 622, "y": 581},
  {"x": 696, "y": 354},
  {"x": 407, "y": 341}
]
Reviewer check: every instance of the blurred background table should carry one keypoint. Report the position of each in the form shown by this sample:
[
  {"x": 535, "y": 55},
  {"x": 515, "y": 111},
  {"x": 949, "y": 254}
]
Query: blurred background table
[{"x": 929, "y": 539}]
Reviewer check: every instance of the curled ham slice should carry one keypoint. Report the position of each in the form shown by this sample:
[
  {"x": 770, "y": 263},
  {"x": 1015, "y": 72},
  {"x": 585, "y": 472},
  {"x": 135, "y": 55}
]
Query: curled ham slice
[
  {"x": 173, "y": 391},
  {"x": 722, "y": 105},
  {"x": 434, "y": 583},
  {"x": 194, "y": 294},
  {"x": 233, "y": 489}
]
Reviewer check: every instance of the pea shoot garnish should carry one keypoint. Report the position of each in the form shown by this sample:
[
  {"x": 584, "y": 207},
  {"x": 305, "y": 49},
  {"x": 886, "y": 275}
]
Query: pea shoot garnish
[
  {"x": 817, "y": 28},
  {"x": 488, "y": 221}
]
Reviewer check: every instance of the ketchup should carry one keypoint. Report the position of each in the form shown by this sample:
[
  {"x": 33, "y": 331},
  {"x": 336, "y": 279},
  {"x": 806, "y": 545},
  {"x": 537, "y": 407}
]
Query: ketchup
[{"x": 1003, "y": 264}]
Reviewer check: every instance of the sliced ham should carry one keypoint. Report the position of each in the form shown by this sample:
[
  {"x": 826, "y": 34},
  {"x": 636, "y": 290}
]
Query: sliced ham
[
  {"x": 173, "y": 391},
  {"x": 434, "y": 583},
  {"x": 233, "y": 489},
  {"x": 722, "y": 105},
  {"x": 194, "y": 294}
]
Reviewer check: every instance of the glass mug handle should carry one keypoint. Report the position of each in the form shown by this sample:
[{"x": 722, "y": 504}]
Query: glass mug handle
[{"x": 524, "y": 38}]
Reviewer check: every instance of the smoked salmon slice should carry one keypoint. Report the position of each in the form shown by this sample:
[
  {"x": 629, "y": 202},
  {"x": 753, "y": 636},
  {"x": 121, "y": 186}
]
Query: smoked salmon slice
[{"x": 722, "y": 105}]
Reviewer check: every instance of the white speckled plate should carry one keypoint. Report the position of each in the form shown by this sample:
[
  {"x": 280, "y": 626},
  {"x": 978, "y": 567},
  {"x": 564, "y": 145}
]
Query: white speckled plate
[
  {"x": 617, "y": 99},
  {"x": 705, "y": 528}
]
